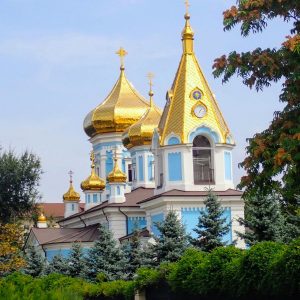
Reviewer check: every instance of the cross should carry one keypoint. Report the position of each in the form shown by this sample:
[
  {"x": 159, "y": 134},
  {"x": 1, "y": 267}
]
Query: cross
[
  {"x": 71, "y": 175},
  {"x": 150, "y": 77},
  {"x": 122, "y": 53},
  {"x": 187, "y": 5},
  {"x": 92, "y": 156}
]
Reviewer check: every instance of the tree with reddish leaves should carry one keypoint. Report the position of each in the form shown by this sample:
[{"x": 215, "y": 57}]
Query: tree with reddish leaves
[{"x": 273, "y": 156}]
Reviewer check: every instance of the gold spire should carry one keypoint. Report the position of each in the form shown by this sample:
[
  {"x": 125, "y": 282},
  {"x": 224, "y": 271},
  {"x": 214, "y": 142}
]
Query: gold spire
[
  {"x": 122, "y": 107},
  {"x": 122, "y": 53},
  {"x": 190, "y": 94},
  {"x": 116, "y": 175},
  {"x": 141, "y": 132},
  {"x": 71, "y": 194},
  {"x": 42, "y": 218},
  {"x": 93, "y": 182}
]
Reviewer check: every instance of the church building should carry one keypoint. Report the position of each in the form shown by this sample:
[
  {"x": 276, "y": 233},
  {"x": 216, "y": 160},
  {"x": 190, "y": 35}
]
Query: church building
[{"x": 146, "y": 162}]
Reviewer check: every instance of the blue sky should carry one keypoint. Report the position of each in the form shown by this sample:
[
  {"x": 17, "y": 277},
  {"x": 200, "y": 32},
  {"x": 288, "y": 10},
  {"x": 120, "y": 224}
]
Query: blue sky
[{"x": 57, "y": 62}]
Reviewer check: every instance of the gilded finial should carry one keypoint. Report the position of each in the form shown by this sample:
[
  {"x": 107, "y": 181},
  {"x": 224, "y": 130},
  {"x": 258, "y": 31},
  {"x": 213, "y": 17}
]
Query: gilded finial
[
  {"x": 71, "y": 176},
  {"x": 92, "y": 158},
  {"x": 187, "y": 5},
  {"x": 150, "y": 76},
  {"x": 122, "y": 53}
]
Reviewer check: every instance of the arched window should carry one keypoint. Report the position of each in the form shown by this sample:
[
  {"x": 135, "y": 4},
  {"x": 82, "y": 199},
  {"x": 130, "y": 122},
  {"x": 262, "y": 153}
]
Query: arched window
[{"x": 202, "y": 161}]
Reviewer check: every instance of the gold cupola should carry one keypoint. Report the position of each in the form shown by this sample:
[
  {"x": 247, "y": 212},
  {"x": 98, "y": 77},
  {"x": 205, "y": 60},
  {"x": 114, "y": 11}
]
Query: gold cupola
[
  {"x": 42, "y": 218},
  {"x": 71, "y": 194},
  {"x": 123, "y": 107},
  {"x": 190, "y": 102},
  {"x": 116, "y": 175},
  {"x": 93, "y": 182},
  {"x": 141, "y": 132}
]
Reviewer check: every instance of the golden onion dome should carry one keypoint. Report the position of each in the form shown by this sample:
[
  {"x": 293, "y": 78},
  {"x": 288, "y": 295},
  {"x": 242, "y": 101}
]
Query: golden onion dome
[
  {"x": 141, "y": 132},
  {"x": 122, "y": 107},
  {"x": 116, "y": 175},
  {"x": 93, "y": 182},
  {"x": 71, "y": 194},
  {"x": 42, "y": 218}
]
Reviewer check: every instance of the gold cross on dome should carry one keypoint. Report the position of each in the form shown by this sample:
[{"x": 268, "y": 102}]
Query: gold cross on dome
[
  {"x": 71, "y": 175},
  {"x": 187, "y": 5},
  {"x": 92, "y": 156},
  {"x": 122, "y": 53},
  {"x": 150, "y": 76}
]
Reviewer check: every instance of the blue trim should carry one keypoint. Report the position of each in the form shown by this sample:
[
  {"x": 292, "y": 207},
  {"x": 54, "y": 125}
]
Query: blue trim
[
  {"x": 95, "y": 198},
  {"x": 154, "y": 219},
  {"x": 100, "y": 146},
  {"x": 204, "y": 130},
  {"x": 135, "y": 222},
  {"x": 55, "y": 252},
  {"x": 118, "y": 191},
  {"x": 173, "y": 141},
  {"x": 150, "y": 169},
  {"x": 109, "y": 162},
  {"x": 174, "y": 166},
  {"x": 141, "y": 168},
  {"x": 228, "y": 163}
]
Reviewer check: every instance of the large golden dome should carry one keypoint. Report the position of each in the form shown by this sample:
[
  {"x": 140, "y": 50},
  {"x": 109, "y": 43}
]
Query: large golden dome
[
  {"x": 141, "y": 132},
  {"x": 123, "y": 107},
  {"x": 93, "y": 182}
]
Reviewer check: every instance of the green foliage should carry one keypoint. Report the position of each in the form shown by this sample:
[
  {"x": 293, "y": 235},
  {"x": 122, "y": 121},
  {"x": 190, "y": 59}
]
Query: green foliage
[
  {"x": 171, "y": 242},
  {"x": 75, "y": 261},
  {"x": 105, "y": 257},
  {"x": 179, "y": 277},
  {"x": 35, "y": 263},
  {"x": 211, "y": 226},
  {"x": 147, "y": 277},
  {"x": 19, "y": 179},
  {"x": 58, "y": 265},
  {"x": 273, "y": 156}
]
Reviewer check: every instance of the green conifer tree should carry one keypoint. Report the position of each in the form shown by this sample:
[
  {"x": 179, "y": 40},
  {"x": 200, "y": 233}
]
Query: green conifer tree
[
  {"x": 264, "y": 221},
  {"x": 75, "y": 261},
  {"x": 105, "y": 257},
  {"x": 211, "y": 225},
  {"x": 58, "y": 265},
  {"x": 171, "y": 242},
  {"x": 35, "y": 263},
  {"x": 133, "y": 253}
]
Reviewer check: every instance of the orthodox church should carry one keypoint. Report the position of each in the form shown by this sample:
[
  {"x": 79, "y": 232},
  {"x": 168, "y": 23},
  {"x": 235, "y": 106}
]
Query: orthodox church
[{"x": 146, "y": 162}]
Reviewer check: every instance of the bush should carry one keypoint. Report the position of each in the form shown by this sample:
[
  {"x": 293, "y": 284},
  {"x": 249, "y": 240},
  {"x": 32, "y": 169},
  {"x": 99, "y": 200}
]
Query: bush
[
  {"x": 179, "y": 277},
  {"x": 207, "y": 277},
  {"x": 254, "y": 267}
]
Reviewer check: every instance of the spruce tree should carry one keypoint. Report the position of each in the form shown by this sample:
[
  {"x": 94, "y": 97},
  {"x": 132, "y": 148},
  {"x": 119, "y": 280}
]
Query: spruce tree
[
  {"x": 75, "y": 261},
  {"x": 35, "y": 263},
  {"x": 105, "y": 257},
  {"x": 171, "y": 242},
  {"x": 133, "y": 253},
  {"x": 58, "y": 265},
  {"x": 264, "y": 221},
  {"x": 211, "y": 225}
]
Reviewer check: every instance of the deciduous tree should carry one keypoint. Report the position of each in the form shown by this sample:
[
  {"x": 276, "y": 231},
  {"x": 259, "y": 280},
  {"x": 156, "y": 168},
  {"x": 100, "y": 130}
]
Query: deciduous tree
[{"x": 273, "y": 155}]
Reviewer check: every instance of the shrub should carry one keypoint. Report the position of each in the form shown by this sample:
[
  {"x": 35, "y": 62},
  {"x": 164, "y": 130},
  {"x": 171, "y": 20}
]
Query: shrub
[{"x": 179, "y": 277}]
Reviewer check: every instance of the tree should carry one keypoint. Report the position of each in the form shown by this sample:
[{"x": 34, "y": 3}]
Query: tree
[
  {"x": 265, "y": 221},
  {"x": 133, "y": 253},
  {"x": 58, "y": 265},
  {"x": 11, "y": 241},
  {"x": 172, "y": 241},
  {"x": 273, "y": 156},
  {"x": 75, "y": 261},
  {"x": 105, "y": 257},
  {"x": 19, "y": 179},
  {"x": 211, "y": 225},
  {"x": 35, "y": 263}
]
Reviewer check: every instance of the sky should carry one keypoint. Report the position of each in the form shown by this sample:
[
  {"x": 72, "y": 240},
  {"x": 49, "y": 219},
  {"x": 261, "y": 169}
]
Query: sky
[{"x": 58, "y": 61}]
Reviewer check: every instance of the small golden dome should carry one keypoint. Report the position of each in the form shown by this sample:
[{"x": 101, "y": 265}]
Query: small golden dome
[
  {"x": 141, "y": 132},
  {"x": 123, "y": 107},
  {"x": 42, "y": 218},
  {"x": 93, "y": 182},
  {"x": 116, "y": 175},
  {"x": 71, "y": 194}
]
